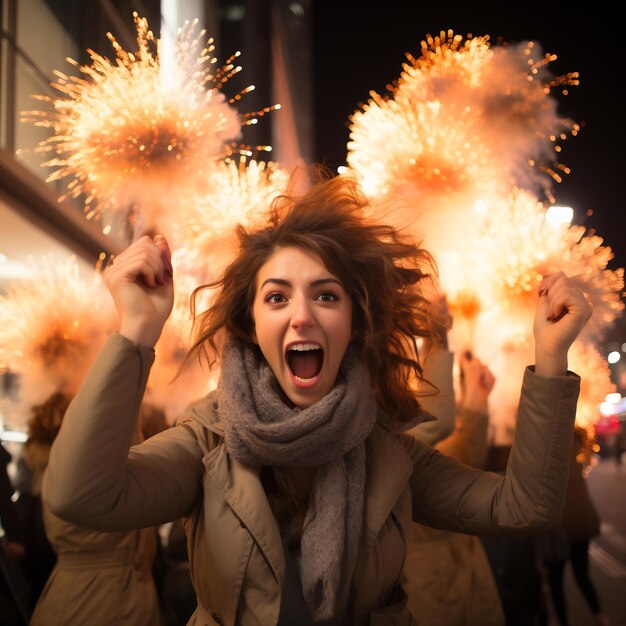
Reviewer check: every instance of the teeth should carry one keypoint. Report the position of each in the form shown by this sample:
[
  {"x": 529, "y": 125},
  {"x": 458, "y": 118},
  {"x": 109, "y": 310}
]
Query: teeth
[
  {"x": 303, "y": 347},
  {"x": 303, "y": 380}
]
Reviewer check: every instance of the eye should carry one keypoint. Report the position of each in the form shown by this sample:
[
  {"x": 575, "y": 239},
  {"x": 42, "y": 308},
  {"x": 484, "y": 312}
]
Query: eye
[
  {"x": 327, "y": 296},
  {"x": 275, "y": 298}
]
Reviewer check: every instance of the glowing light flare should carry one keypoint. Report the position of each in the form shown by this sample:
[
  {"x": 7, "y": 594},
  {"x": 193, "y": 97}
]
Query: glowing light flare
[
  {"x": 613, "y": 357},
  {"x": 465, "y": 307},
  {"x": 559, "y": 215},
  {"x": 608, "y": 409},
  {"x": 466, "y": 304}
]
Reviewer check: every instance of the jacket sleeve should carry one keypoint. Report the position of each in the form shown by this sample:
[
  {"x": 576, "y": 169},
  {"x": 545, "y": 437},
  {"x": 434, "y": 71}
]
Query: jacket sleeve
[
  {"x": 94, "y": 478},
  {"x": 530, "y": 497}
]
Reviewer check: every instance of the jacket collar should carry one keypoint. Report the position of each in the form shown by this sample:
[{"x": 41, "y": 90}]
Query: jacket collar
[
  {"x": 388, "y": 471},
  {"x": 241, "y": 487}
]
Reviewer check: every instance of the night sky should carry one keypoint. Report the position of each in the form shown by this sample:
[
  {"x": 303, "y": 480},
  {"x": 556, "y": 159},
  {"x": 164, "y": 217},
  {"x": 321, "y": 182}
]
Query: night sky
[{"x": 358, "y": 49}]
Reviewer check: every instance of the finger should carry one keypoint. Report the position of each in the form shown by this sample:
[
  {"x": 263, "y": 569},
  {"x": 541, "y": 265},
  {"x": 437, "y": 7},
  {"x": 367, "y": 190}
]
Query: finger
[
  {"x": 142, "y": 260},
  {"x": 135, "y": 255},
  {"x": 563, "y": 297},
  {"x": 552, "y": 288},
  {"x": 488, "y": 379},
  {"x": 145, "y": 269},
  {"x": 547, "y": 282},
  {"x": 166, "y": 253},
  {"x": 557, "y": 298}
]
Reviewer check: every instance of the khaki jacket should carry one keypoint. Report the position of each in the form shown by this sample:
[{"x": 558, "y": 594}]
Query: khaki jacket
[
  {"x": 100, "y": 579},
  {"x": 236, "y": 557}
]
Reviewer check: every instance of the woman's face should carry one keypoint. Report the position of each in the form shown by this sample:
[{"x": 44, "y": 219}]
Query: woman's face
[{"x": 302, "y": 323}]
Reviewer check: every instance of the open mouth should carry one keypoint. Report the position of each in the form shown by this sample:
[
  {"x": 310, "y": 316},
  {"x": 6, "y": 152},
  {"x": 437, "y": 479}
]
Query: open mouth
[{"x": 305, "y": 361}]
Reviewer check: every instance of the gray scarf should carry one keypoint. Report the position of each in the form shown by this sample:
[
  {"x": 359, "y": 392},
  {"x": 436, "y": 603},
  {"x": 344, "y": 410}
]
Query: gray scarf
[{"x": 260, "y": 429}]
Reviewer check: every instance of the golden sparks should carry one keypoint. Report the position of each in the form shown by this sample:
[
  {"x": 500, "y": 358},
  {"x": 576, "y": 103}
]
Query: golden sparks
[
  {"x": 238, "y": 191},
  {"x": 132, "y": 131},
  {"x": 463, "y": 114},
  {"x": 516, "y": 246}
]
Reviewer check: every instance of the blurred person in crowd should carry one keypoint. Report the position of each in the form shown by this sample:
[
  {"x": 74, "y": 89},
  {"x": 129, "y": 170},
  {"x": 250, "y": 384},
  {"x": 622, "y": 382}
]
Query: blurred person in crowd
[
  {"x": 570, "y": 540},
  {"x": 39, "y": 558},
  {"x": 514, "y": 564},
  {"x": 100, "y": 578},
  {"x": 176, "y": 592},
  {"x": 152, "y": 420},
  {"x": 171, "y": 573},
  {"x": 15, "y": 593}
]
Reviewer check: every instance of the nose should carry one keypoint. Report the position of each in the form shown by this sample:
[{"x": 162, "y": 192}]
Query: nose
[{"x": 302, "y": 314}]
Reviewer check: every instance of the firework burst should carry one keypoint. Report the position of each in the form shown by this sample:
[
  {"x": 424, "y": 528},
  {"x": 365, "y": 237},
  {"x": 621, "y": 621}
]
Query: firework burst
[
  {"x": 239, "y": 191},
  {"x": 52, "y": 326},
  {"x": 516, "y": 246},
  {"x": 433, "y": 158},
  {"x": 508, "y": 90},
  {"x": 131, "y": 132},
  {"x": 202, "y": 238},
  {"x": 495, "y": 119},
  {"x": 468, "y": 138}
]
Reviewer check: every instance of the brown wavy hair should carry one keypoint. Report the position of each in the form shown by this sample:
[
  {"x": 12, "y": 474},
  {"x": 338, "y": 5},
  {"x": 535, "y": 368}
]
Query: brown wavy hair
[
  {"x": 43, "y": 427},
  {"x": 46, "y": 418},
  {"x": 378, "y": 266}
]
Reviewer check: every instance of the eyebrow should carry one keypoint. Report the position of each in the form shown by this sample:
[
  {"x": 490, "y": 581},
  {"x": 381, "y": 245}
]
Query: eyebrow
[{"x": 286, "y": 283}]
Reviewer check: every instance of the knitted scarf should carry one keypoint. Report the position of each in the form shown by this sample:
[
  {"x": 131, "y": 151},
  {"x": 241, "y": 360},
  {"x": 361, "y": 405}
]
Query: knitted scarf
[{"x": 260, "y": 429}]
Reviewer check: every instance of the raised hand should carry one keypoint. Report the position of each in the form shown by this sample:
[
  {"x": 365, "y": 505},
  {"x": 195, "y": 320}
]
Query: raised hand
[
  {"x": 141, "y": 283},
  {"x": 477, "y": 382},
  {"x": 561, "y": 314}
]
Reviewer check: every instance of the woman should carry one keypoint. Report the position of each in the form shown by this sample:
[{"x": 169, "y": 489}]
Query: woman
[
  {"x": 100, "y": 578},
  {"x": 297, "y": 482}
]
